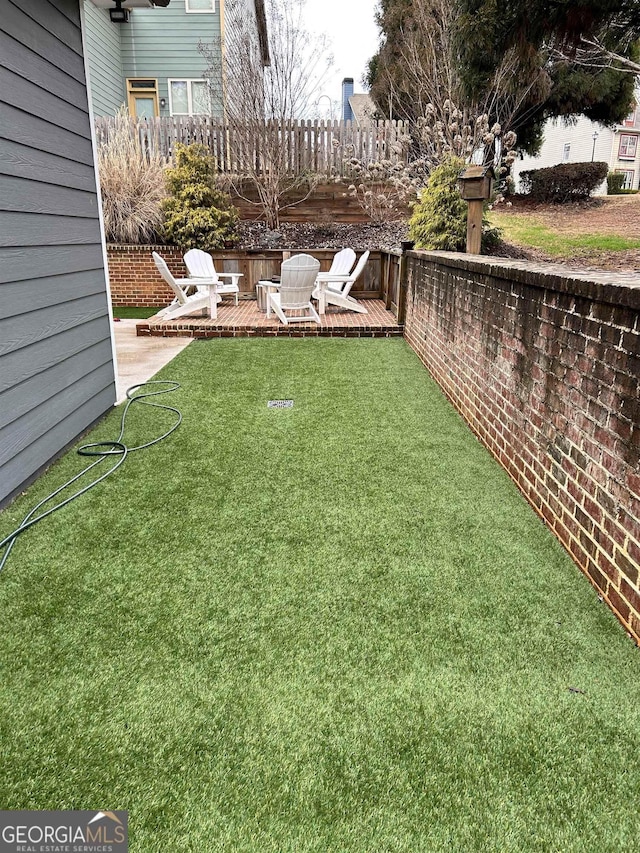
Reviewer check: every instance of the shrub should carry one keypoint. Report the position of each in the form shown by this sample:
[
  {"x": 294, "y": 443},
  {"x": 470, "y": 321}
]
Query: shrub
[
  {"x": 563, "y": 183},
  {"x": 132, "y": 185},
  {"x": 439, "y": 219},
  {"x": 197, "y": 214},
  {"x": 615, "y": 180}
]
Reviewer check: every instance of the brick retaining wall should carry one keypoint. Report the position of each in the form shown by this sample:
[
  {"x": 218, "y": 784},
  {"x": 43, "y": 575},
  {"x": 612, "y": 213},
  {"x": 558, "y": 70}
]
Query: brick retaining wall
[
  {"x": 134, "y": 278},
  {"x": 544, "y": 366}
]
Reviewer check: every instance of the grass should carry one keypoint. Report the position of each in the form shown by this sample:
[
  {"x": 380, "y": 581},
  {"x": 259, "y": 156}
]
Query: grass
[
  {"x": 331, "y": 628},
  {"x": 524, "y": 230},
  {"x": 133, "y": 313}
]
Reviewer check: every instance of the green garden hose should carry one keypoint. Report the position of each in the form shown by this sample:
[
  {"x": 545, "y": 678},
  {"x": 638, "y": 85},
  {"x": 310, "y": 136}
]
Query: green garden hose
[{"x": 102, "y": 450}]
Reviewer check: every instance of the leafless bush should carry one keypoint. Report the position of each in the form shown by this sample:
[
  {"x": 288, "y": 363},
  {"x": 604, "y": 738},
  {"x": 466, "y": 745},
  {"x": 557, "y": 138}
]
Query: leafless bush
[
  {"x": 132, "y": 184},
  {"x": 384, "y": 188},
  {"x": 265, "y": 97}
]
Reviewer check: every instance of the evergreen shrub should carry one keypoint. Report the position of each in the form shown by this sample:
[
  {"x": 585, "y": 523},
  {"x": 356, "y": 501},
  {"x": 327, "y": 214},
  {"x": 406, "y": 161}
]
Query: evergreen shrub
[
  {"x": 564, "y": 183},
  {"x": 615, "y": 180},
  {"x": 198, "y": 215},
  {"x": 439, "y": 219}
]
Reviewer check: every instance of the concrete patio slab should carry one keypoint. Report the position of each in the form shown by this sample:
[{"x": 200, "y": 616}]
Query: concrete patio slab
[{"x": 141, "y": 358}]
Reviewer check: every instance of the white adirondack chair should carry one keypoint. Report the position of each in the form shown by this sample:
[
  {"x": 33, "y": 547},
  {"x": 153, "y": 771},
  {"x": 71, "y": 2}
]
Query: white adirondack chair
[
  {"x": 200, "y": 265},
  {"x": 333, "y": 288},
  {"x": 343, "y": 262},
  {"x": 182, "y": 304},
  {"x": 297, "y": 280}
]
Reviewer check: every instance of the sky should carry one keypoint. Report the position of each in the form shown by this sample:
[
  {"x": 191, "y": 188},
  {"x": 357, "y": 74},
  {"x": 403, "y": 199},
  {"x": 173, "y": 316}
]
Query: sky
[{"x": 350, "y": 26}]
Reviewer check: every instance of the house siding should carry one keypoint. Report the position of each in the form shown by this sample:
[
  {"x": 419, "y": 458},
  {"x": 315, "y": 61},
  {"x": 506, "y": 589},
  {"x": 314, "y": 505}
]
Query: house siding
[
  {"x": 579, "y": 136},
  {"x": 624, "y": 163},
  {"x": 163, "y": 44},
  {"x": 56, "y": 359},
  {"x": 103, "y": 42}
]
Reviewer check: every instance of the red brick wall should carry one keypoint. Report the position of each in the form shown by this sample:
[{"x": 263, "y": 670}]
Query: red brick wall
[
  {"x": 545, "y": 369},
  {"x": 134, "y": 278}
]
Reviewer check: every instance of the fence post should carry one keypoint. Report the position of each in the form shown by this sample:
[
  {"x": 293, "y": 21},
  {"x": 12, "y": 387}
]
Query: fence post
[{"x": 403, "y": 287}]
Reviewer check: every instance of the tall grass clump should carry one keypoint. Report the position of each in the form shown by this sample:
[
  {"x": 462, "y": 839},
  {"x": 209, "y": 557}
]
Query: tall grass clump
[{"x": 132, "y": 181}]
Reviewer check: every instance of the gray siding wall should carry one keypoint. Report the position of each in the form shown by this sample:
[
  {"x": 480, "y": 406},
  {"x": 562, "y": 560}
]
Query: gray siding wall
[
  {"x": 103, "y": 46},
  {"x": 163, "y": 44},
  {"x": 56, "y": 365}
]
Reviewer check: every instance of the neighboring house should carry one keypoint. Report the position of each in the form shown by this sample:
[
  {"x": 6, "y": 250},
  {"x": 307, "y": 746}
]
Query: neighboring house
[
  {"x": 153, "y": 62},
  {"x": 362, "y": 107},
  {"x": 356, "y": 107},
  {"x": 585, "y": 141}
]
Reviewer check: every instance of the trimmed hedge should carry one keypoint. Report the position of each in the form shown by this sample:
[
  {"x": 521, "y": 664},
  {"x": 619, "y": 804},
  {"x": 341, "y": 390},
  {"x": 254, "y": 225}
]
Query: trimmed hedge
[
  {"x": 615, "y": 180},
  {"x": 563, "y": 183}
]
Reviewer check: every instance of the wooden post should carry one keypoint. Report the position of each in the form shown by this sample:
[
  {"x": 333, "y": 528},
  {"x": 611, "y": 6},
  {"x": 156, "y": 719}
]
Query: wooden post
[
  {"x": 402, "y": 290},
  {"x": 474, "y": 226},
  {"x": 475, "y": 183}
]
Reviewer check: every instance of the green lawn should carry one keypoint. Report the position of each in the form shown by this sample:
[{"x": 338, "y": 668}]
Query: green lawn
[
  {"x": 331, "y": 628},
  {"x": 525, "y": 230},
  {"x": 132, "y": 313}
]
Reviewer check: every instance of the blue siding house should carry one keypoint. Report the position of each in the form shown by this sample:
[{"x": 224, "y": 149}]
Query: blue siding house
[{"x": 152, "y": 63}]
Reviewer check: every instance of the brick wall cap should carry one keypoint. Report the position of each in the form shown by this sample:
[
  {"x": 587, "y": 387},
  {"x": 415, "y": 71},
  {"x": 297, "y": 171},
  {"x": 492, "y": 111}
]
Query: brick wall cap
[{"x": 615, "y": 288}]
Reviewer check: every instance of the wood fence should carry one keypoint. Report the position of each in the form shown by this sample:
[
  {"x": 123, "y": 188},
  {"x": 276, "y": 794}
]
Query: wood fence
[
  {"x": 315, "y": 146},
  {"x": 257, "y": 265},
  {"x": 135, "y": 280}
]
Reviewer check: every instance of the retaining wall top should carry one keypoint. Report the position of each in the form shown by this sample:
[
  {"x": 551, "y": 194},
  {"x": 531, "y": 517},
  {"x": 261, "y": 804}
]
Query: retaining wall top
[{"x": 616, "y": 288}]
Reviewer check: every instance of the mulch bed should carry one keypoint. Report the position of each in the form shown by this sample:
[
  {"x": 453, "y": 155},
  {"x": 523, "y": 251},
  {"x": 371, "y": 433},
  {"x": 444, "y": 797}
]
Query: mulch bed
[
  {"x": 294, "y": 235},
  {"x": 611, "y": 215}
]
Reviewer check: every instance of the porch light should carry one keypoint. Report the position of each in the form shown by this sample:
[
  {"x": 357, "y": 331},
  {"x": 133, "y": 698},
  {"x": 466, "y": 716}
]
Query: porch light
[{"x": 119, "y": 15}]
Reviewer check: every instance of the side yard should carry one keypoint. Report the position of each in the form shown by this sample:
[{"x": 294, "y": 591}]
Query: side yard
[{"x": 336, "y": 627}]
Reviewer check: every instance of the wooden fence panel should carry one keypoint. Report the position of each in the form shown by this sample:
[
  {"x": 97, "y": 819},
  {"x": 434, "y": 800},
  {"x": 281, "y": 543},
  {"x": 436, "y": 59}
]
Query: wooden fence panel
[
  {"x": 260, "y": 265},
  {"x": 309, "y": 145}
]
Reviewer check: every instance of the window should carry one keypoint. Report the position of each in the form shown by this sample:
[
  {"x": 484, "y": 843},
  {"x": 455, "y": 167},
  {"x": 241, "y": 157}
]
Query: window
[
  {"x": 630, "y": 120},
  {"x": 628, "y": 146},
  {"x": 629, "y": 176},
  {"x": 200, "y": 5},
  {"x": 142, "y": 98},
  {"x": 189, "y": 98},
  {"x": 566, "y": 152}
]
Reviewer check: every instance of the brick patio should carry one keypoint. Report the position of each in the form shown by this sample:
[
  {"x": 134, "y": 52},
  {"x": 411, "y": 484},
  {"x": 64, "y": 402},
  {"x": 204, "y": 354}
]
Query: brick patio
[{"x": 246, "y": 320}]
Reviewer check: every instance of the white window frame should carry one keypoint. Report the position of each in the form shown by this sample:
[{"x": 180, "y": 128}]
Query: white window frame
[
  {"x": 629, "y": 178},
  {"x": 188, "y": 81},
  {"x": 632, "y": 119},
  {"x": 626, "y": 139},
  {"x": 200, "y": 11}
]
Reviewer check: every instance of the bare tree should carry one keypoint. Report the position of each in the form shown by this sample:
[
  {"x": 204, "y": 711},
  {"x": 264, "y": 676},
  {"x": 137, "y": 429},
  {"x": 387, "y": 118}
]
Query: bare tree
[
  {"x": 593, "y": 53},
  {"x": 261, "y": 102},
  {"x": 415, "y": 77}
]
